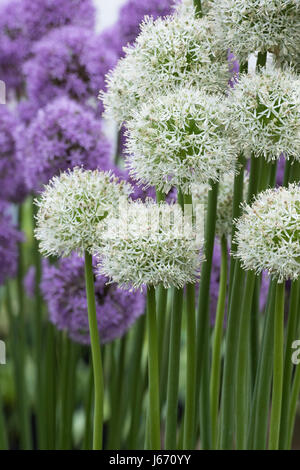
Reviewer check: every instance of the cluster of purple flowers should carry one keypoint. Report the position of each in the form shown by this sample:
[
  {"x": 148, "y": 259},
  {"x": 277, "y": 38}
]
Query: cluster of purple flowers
[
  {"x": 61, "y": 136},
  {"x": 63, "y": 287},
  {"x": 68, "y": 61},
  {"x": 10, "y": 237}
]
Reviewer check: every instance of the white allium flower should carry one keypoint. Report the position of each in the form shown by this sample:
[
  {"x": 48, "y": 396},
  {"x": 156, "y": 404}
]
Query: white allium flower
[
  {"x": 71, "y": 207},
  {"x": 150, "y": 244},
  {"x": 266, "y": 114},
  {"x": 225, "y": 201},
  {"x": 168, "y": 52},
  {"x": 179, "y": 139},
  {"x": 246, "y": 26},
  {"x": 268, "y": 233}
]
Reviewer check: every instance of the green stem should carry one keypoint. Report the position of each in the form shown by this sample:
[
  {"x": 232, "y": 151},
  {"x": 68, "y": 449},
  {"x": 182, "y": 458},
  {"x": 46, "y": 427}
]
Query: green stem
[
  {"x": 96, "y": 353},
  {"x": 288, "y": 366},
  {"x": 189, "y": 417},
  {"x": 261, "y": 60},
  {"x": 203, "y": 326},
  {"x": 230, "y": 359},
  {"x": 242, "y": 393},
  {"x": 136, "y": 386},
  {"x": 217, "y": 342},
  {"x": 277, "y": 367},
  {"x": 153, "y": 371},
  {"x": 115, "y": 424},
  {"x": 261, "y": 397},
  {"x": 50, "y": 387},
  {"x": 173, "y": 371},
  {"x": 294, "y": 175},
  {"x": 87, "y": 441}
]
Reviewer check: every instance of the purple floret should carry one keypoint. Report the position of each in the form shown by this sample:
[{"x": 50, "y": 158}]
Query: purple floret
[
  {"x": 9, "y": 239},
  {"x": 12, "y": 185},
  {"x": 40, "y": 16},
  {"x": 63, "y": 287},
  {"x": 68, "y": 61},
  {"x": 61, "y": 136}
]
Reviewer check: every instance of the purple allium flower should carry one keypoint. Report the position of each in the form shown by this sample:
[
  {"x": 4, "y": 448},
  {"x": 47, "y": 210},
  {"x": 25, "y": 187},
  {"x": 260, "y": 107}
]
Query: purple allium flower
[
  {"x": 63, "y": 287},
  {"x": 14, "y": 44},
  {"x": 68, "y": 61},
  {"x": 61, "y": 136},
  {"x": 40, "y": 16},
  {"x": 9, "y": 239},
  {"x": 12, "y": 185},
  {"x": 133, "y": 12}
]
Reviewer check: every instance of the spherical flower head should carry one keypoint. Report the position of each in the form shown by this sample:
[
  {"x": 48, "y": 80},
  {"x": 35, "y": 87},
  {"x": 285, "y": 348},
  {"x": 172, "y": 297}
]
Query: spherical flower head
[
  {"x": 133, "y": 12},
  {"x": 246, "y": 26},
  {"x": 63, "y": 288},
  {"x": 268, "y": 233},
  {"x": 225, "y": 201},
  {"x": 41, "y": 16},
  {"x": 169, "y": 52},
  {"x": 68, "y": 61},
  {"x": 149, "y": 244},
  {"x": 62, "y": 135},
  {"x": 71, "y": 207},
  {"x": 12, "y": 184},
  {"x": 14, "y": 44},
  {"x": 9, "y": 239},
  {"x": 265, "y": 114},
  {"x": 179, "y": 139}
]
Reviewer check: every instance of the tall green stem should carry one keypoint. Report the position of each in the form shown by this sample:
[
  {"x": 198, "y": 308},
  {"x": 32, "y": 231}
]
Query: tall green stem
[
  {"x": 153, "y": 371},
  {"x": 173, "y": 371},
  {"x": 277, "y": 367},
  {"x": 242, "y": 394},
  {"x": 217, "y": 342},
  {"x": 189, "y": 417},
  {"x": 203, "y": 326},
  {"x": 96, "y": 353},
  {"x": 198, "y": 8}
]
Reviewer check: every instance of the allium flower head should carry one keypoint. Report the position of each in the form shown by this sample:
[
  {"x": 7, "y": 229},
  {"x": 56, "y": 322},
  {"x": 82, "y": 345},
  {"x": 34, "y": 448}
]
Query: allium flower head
[
  {"x": 179, "y": 139},
  {"x": 9, "y": 239},
  {"x": 68, "y": 61},
  {"x": 63, "y": 288},
  {"x": 225, "y": 201},
  {"x": 266, "y": 114},
  {"x": 40, "y": 16},
  {"x": 246, "y": 26},
  {"x": 149, "y": 244},
  {"x": 14, "y": 43},
  {"x": 268, "y": 233},
  {"x": 62, "y": 135},
  {"x": 12, "y": 185},
  {"x": 172, "y": 51},
  {"x": 71, "y": 207}
]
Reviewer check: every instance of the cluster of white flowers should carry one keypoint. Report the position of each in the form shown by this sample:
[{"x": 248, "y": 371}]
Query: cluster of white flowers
[
  {"x": 168, "y": 52},
  {"x": 149, "y": 244},
  {"x": 268, "y": 233},
  {"x": 225, "y": 201},
  {"x": 246, "y": 26},
  {"x": 180, "y": 138},
  {"x": 265, "y": 112},
  {"x": 71, "y": 207}
]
